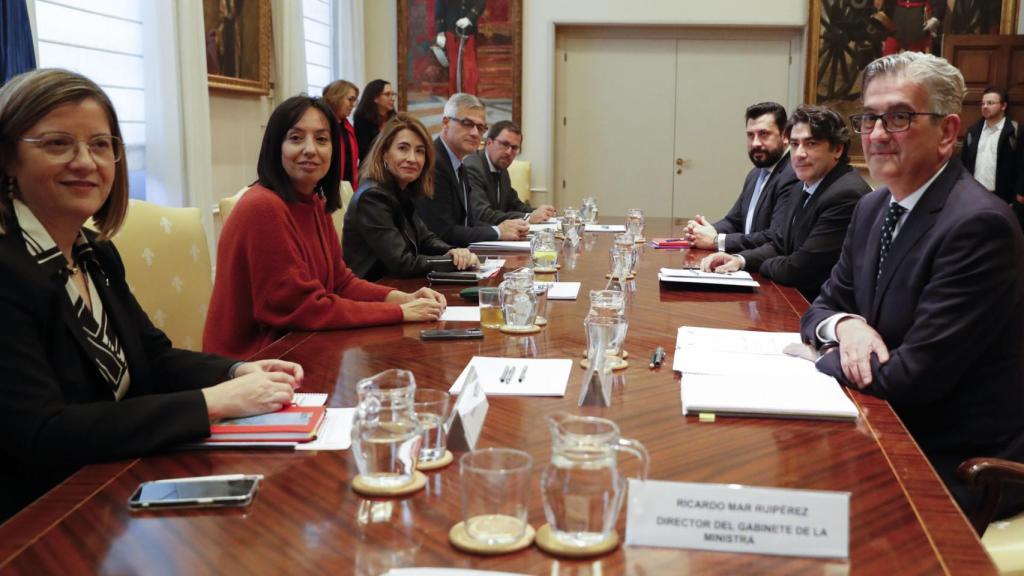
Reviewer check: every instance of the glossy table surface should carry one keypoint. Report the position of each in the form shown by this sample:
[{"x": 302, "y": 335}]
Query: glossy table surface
[{"x": 306, "y": 518}]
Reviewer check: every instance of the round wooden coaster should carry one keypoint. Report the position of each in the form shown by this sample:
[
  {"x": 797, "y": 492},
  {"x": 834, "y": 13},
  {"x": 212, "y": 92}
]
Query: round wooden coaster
[
  {"x": 441, "y": 462},
  {"x": 541, "y": 321},
  {"x": 625, "y": 354},
  {"x": 631, "y": 275},
  {"x": 519, "y": 330},
  {"x": 551, "y": 270},
  {"x": 546, "y": 541},
  {"x": 461, "y": 540},
  {"x": 640, "y": 239},
  {"x": 621, "y": 365},
  {"x": 419, "y": 480}
]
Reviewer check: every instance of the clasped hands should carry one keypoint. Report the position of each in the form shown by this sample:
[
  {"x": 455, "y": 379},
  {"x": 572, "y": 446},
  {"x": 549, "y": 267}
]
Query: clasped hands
[
  {"x": 257, "y": 388},
  {"x": 857, "y": 341},
  {"x": 423, "y": 305},
  {"x": 700, "y": 233}
]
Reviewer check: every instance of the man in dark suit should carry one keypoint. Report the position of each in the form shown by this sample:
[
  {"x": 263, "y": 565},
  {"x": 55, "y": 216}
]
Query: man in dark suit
[
  {"x": 449, "y": 213},
  {"x": 990, "y": 149},
  {"x": 762, "y": 201},
  {"x": 493, "y": 197},
  {"x": 925, "y": 307},
  {"x": 802, "y": 252}
]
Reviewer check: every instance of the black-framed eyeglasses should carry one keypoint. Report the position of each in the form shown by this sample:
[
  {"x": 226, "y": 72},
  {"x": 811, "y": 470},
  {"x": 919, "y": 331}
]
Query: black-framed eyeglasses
[
  {"x": 469, "y": 124},
  {"x": 508, "y": 145},
  {"x": 63, "y": 147},
  {"x": 895, "y": 121}
]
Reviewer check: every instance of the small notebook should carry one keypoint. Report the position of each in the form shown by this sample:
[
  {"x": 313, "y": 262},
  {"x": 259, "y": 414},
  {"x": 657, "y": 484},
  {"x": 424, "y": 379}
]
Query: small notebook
[{"x": 291, "y": 424}]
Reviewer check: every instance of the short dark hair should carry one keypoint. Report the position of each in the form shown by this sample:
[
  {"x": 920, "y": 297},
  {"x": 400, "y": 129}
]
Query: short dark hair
[
  {"x": 825, "y": 124},
  {"x": 778, "y": 112},
  {"x": 502, "y": 125},
  {"x": 996, "y": 90},
  {"x": 271, "y": 170},
  {"x": 367, "y": 108}
]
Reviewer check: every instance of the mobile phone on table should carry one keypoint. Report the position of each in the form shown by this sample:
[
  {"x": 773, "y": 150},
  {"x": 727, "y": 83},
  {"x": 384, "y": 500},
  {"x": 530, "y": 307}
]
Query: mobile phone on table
[
  {"x": 197, "y": 491},
  {"x": 452, "y": 334}
]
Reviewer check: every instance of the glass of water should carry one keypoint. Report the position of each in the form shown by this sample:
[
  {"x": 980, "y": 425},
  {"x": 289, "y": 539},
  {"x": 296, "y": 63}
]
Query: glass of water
[
  {"x": 495, "y": 494},
  {"x": 431, "y": 408}
]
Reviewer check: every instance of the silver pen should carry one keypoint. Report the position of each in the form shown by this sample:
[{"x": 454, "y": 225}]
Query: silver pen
[{"x": 522, "y": 374}]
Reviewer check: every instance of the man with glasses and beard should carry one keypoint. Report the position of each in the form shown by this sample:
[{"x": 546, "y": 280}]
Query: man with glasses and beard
[
  {"x": 493, "y": 197},
  {"x": 762, "y": 202},
  {"x": 450, "y": 214}
]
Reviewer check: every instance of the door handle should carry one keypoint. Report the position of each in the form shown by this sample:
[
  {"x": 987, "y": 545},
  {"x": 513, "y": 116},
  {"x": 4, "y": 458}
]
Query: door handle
[{"x": 680, "y": 162}]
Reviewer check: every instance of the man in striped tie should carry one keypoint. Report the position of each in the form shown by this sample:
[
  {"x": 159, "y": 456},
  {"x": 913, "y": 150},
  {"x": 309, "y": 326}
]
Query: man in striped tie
[{"x": 925, "y": 307}]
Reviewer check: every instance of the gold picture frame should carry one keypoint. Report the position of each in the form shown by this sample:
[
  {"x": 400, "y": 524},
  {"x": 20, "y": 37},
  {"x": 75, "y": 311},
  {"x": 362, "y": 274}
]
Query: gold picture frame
[
  {"x": 424, "y": 83},
  {"x": 846, "y": 35},
  {"x": 238, "y": 36}
]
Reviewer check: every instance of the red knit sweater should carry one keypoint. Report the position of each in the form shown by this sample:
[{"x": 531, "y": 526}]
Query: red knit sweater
[{"x": 279, "y": 268}]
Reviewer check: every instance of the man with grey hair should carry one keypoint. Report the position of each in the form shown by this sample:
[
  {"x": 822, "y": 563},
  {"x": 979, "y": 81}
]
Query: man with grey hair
[
  {"x": 925, "y": 307},
  {"x": 450, "y": 214}
]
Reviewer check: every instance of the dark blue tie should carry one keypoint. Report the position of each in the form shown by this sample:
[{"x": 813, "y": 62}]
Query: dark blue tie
[{"x": 888, "y": 226}]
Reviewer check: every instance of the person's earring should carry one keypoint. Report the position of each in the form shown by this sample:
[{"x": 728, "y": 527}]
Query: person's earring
[{"x": 386, "y": 167}]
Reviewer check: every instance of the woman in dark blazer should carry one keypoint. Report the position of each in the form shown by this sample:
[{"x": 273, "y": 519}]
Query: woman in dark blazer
[
  {"x": 86, "y": 376},
  {"x": 376, "y": 107},
  {"x": 383, "y": 234}
]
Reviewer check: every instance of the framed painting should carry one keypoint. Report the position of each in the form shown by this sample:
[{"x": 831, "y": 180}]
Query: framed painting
[
  {"x": 449, "y": 46},
  {"x": 237, "y": 34},
  {"x": 846, "y": 35}
]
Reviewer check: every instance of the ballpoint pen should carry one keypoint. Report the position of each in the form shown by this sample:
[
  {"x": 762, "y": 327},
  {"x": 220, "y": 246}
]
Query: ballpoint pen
[
  {"x": 658, "y": 357},
  {"x": 522, "y": 374}
]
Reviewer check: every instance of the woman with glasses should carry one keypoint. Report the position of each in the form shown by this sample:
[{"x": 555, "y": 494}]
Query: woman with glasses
[
  {"x": 341, "y": 96},
  {"x": 86, "y": 376},
  {"x": 376, "y": 107},
  {"x": 279, "y": 265},
  {"x": 384, "y": 236}
]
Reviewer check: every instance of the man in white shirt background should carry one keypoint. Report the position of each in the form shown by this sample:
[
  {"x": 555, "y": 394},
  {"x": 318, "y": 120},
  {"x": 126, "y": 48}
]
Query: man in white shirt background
[{"x": 991, "y": 151}]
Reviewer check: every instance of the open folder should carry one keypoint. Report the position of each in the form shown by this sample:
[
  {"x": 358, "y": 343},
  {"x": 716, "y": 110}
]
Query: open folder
[{"x": 690, "y": 276}]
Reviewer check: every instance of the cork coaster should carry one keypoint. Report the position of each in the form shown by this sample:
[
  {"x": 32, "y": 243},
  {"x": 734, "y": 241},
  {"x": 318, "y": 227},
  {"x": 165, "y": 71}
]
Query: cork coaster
[
  {"x": 461, "y": 540},
  {"x": 640, "y": 239},
  {"x": 519, "y": 329},
  {"x": 436, "y": 464},
  {"x": 625, "y": 354},
  {"x": 419, "y": 480},
  {"x": 630, "y": 276},
  {"x": 550, "y": 270},
  {"x": 546, "y": 541},
  {"x": 620, "y": 365},
  {"x": 541, "y": 321}
]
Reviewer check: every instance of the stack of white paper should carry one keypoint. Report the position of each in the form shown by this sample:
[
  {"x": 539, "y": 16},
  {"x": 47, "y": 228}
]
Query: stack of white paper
[
  {"x": 503, "y": 245},
  {"x": 605, "y": 228},
  {"x": 554, "y": 226},
  {"x": 744, "y": 373},
  {"x": 562, "y": 290},
  {"x": 543, "y": 376},
  {"x": 461, "y": 314},
  {"x": 690, "y": 276}
]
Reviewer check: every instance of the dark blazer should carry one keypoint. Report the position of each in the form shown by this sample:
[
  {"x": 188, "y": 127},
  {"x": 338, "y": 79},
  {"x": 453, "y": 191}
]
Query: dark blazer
[
  {"x": 770, "y": 210},
  {"x": 366, "y": 133},
  {"x": 56, "y": 411},
  {"x": 488, "y": 205},
  {"x": 445, "y": 213},
  {"x": 950, "y": 307},
  {"x": 1008, "y": 156},
  {"x": 801, "y": 254},
  {"x": 384, "y": 236}
]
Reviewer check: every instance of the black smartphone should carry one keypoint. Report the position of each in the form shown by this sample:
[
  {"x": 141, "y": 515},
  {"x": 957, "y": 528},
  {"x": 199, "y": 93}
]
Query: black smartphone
[
  {"x": 198, "y": 491},
  {"x": 451, "y": 334}
]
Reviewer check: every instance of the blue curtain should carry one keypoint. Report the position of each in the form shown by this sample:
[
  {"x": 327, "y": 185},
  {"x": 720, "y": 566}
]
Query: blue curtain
[{"x": 16, "y": 53}]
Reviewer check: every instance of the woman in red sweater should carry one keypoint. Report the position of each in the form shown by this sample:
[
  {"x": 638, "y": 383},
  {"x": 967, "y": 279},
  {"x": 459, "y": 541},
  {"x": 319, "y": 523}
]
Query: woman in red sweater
[
  {"x": 341, "y": 96},
  {"x": 279, "y": 264}
]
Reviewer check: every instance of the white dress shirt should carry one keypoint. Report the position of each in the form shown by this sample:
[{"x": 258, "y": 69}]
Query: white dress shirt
[{"x": 988, "y": 150}]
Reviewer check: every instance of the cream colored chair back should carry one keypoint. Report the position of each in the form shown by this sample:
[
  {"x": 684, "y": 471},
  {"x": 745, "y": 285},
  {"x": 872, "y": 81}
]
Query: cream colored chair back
[
  {"x": 167, "y": 264},
  {"x": 226, "y": 205},
  {"x": 339, "y": 215},
  {"x": 519, "y": 172}
]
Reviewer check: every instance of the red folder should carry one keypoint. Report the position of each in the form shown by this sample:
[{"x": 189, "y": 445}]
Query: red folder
[
  {"x": 669, "y": 243},
  {"x": 290, "y": 424}
]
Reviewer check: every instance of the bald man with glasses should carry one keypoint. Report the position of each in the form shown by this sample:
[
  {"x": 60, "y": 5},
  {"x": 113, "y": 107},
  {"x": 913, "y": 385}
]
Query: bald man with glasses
[
  {"x": 492, "y": 194},
  {"x": 925, "y": 307},
  {"x": 449, "y": 213}
]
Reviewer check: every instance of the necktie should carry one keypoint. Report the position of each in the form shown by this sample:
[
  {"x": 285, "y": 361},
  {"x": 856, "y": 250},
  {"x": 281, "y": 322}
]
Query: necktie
[
  {"x": 888, "y": 226},
  {"x": 762, "y": 177},
  {"x": 497, "y": 188},
  {"x": 461, "y": 172}
]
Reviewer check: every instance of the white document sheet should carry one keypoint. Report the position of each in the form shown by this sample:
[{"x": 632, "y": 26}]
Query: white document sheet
[
  {"x": 804, "y": 395},
  {"x": 688, "y": 276},
  {"x": 335, "y": 431},
  {"x": 309, "y": 399},
  {"x": 503, "y": 245},
  {"x": 605, "y": 228},
  {"x": 461, "y": 314},
  {"x": 543, "y": 377},
  {"x": 556, "y": 226},
  {"x": 446, "y": 572},
  {"x": 562, "y": 290}
]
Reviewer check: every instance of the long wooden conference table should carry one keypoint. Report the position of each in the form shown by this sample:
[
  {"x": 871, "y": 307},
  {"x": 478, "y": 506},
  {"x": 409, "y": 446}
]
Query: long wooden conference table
[{"x": 307, "y": 519}]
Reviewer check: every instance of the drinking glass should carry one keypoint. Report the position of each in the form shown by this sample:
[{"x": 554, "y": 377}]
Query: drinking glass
[
  {"x": 431, "y": 408},
  {"x": 490, "y": 308},
  {"x": 495, "y": 494},
  {"x": 540, "y": 290},
  {"x": 635, "y": 223}
]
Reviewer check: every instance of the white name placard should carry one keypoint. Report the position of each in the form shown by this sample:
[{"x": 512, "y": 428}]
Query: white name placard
[
  {"x": 734, "y": 518},
  {"x": 468, "y": 414}
]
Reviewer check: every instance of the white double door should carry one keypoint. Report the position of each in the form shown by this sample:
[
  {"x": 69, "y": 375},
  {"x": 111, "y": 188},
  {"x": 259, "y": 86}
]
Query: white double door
[{"x": 658, "y": 122}]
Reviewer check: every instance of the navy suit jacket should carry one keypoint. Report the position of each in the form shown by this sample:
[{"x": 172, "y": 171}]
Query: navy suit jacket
[
  {"x": 950, "y": 307},
  {"x": 445, "y": 213},
  {"x": 802, "y": 252},
  {"x": 770, "y": 210}
]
